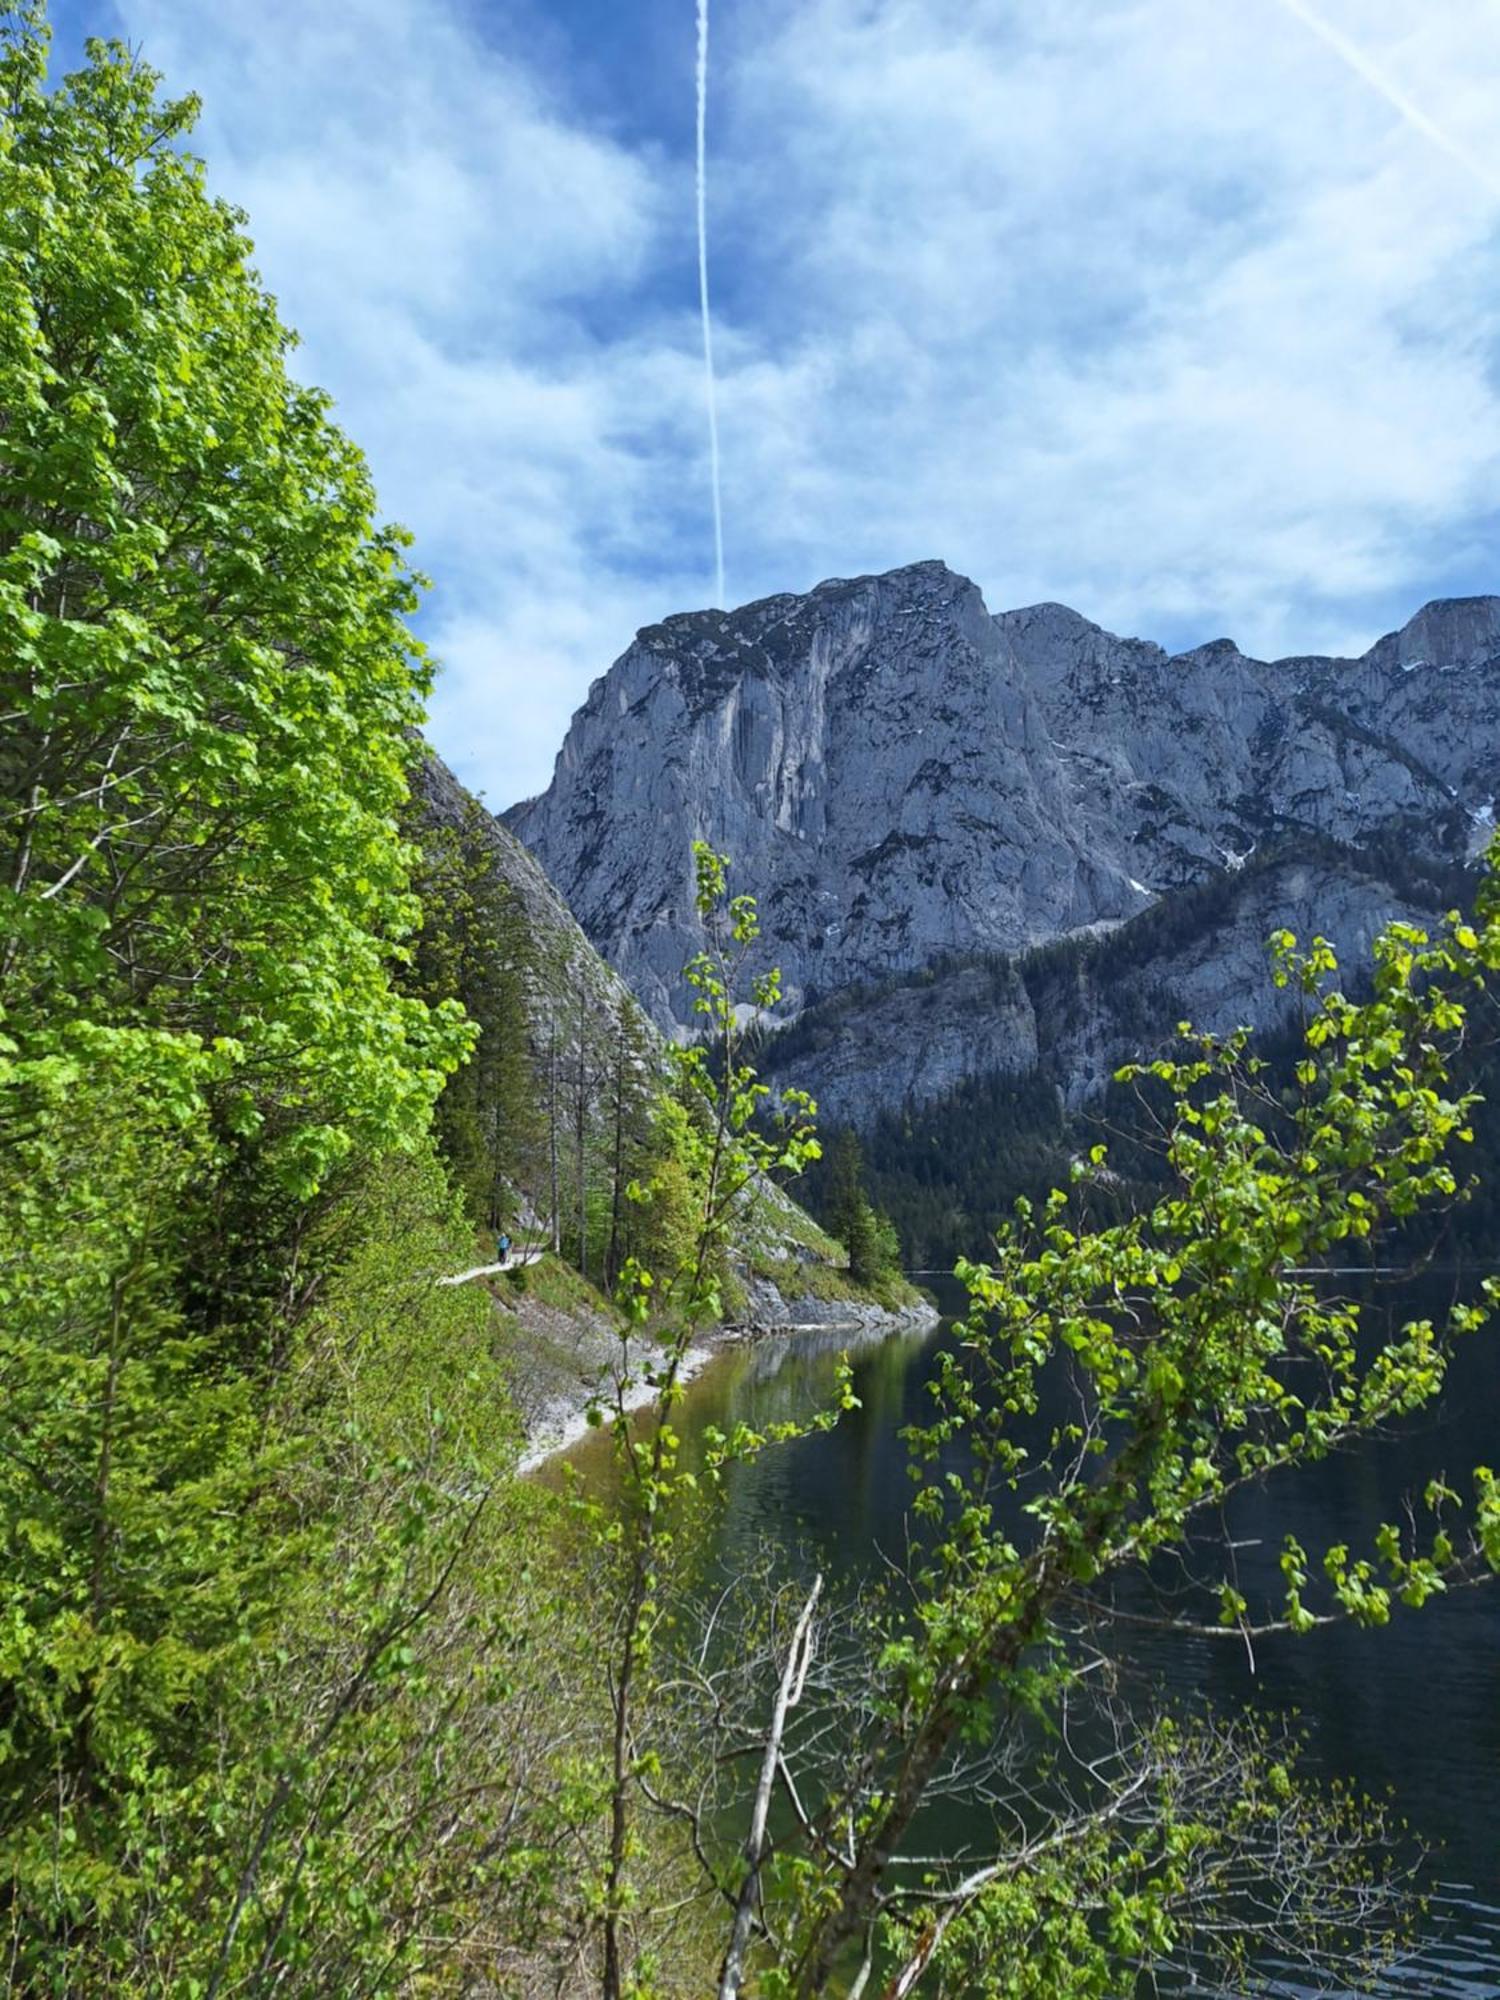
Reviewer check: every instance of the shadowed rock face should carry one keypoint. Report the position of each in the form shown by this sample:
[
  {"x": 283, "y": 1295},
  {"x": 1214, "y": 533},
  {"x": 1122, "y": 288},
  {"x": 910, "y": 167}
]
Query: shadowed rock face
[
  {"x": 1077, "y": 1016},
  {"x": 898, "y": 775}
]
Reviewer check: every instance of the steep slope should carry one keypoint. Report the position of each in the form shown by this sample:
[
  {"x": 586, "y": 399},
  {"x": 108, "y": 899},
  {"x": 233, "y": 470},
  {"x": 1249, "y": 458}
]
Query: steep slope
[
  {"x": 901, "y": 777},
  {"x": 580, "y": 1017},
  {"x": 561, "y": 963}
]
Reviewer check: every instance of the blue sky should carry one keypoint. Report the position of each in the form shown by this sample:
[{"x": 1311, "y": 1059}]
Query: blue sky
[{"x": 1187, "y": 314}]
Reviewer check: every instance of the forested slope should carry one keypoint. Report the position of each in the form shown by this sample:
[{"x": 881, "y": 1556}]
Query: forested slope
[
  {"x": 993, "y": 1072},
  {"x": 567, "y": 1103},
  {"x": 266, "y": 1582}
]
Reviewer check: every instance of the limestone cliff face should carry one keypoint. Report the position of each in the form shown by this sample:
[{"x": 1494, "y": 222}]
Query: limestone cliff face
[
  {"x": 900, "y": 776},
  {"x": 1194, "y": 760},
  {"x": 871, "y": 755}
]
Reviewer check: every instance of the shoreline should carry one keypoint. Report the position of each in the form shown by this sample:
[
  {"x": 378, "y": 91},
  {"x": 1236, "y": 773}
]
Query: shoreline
[
  {"x": 558, "y": 1428},
  {"x": 552, "y": 1437}
]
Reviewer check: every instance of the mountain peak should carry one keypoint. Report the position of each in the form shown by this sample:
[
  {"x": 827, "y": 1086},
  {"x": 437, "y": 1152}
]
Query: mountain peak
[
  {"x": 1048, "y": 619},
  {"x": 1214, "y": 649},
  {"x": 926, "y": 569},
  {"x": 900, "y": 775},
  {"x": 1447, "y": 632}
]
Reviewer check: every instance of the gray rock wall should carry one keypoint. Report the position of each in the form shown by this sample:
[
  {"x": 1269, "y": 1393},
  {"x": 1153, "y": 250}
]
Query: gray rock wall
[
  {"x": 1077, "y": 1015},
  {"x": 898, "y": 775}
]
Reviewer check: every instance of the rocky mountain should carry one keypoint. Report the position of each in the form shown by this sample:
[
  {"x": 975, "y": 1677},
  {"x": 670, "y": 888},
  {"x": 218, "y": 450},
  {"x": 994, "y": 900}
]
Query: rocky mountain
[
  {"x": 906, "y": 782},
  {"x": 1072, "y": 1011}
]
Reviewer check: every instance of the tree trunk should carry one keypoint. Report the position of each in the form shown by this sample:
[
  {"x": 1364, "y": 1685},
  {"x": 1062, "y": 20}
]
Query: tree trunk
[
  {"x": 579, "y": 1136},
  {"x": 612, "y": 1255},
  {"x": 619, "y": 1804},
  {"x": 581, "y": 1105}
]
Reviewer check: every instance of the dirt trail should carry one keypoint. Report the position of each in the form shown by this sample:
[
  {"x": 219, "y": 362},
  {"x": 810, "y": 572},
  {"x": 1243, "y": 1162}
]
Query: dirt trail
[{"x": 513, "y": 1262}]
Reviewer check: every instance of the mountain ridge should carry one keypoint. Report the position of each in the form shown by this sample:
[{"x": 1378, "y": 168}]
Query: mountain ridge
[{"x": 901, "y": 775}]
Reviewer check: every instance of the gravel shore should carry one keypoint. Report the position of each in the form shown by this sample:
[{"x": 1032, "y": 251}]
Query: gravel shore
[{"x": 561, "y": 1359}]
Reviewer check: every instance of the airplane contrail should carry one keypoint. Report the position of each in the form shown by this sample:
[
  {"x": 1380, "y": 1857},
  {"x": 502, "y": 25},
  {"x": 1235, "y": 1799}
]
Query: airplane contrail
[
  {"x": 708, "y": 338},
  {"x": 1415, "y": 116}
]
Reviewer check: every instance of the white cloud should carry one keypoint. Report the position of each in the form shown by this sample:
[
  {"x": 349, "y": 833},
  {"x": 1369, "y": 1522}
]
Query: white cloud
[
  {"x": 440, "y": 233},
  {"x": 1144, "y": 305},
  {"x": 1158, "y": 308}
]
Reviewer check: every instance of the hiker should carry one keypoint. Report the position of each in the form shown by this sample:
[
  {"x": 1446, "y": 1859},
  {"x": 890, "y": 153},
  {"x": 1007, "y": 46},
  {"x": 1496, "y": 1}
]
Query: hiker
[{"x": 502, "y": 1244}]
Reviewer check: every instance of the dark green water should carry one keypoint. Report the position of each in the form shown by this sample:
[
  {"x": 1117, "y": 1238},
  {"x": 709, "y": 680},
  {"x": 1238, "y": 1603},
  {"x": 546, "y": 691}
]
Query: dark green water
[{"x": 1413, "y": 1709}]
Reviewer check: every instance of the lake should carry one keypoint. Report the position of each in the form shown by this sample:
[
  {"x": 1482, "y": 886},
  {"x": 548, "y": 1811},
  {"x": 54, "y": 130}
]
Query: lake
[{"x": 1413, "y": 1710}]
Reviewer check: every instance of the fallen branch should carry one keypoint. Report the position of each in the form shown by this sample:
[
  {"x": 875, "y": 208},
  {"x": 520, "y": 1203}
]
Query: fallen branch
[{"x": 799, "y": 1656}]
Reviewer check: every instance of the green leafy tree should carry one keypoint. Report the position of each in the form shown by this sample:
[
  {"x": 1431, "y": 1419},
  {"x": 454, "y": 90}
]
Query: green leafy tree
[
  {"x": 140, "y": 1538},
  {"x": 1208, "y": 1357},
  {"x": 205, "y": 676},
  {"x": 869, "y": 1238},
  {"x": 654, "y": 1204},
  {"x": 208, "y": 694},
  {"x": 720, "y": 1150},
  {"x": 474, "y": 947}
]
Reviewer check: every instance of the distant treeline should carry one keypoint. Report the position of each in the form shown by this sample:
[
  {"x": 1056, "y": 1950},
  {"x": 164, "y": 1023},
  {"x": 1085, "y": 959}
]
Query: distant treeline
[{"x": 947, "y": 1173}]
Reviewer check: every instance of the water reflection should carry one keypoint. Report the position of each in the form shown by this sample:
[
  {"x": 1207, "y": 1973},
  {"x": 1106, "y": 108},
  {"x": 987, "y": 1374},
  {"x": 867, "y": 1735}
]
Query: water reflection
[{"x": 1413, "y": 1710}]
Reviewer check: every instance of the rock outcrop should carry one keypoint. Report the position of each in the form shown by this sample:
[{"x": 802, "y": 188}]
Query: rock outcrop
[{"x": 1076, "y": 1010}]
